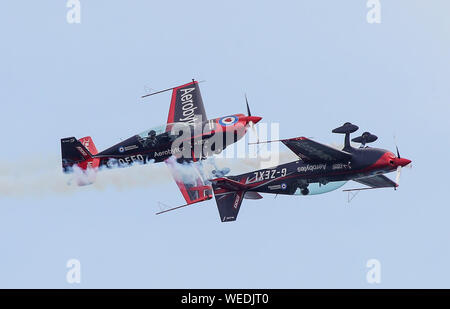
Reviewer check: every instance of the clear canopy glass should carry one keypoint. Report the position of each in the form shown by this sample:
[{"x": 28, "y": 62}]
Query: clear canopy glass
[
  {"x": 158, "y": 130},
  {"x": 316, "y": 188}
]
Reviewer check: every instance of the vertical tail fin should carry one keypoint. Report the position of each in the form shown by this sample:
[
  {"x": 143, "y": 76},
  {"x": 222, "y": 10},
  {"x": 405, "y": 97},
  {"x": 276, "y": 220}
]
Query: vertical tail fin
[
  {"x": 78, "y": 152},
  {"x": 91, "y": 162},
  {"x": 229, "y": 195}
]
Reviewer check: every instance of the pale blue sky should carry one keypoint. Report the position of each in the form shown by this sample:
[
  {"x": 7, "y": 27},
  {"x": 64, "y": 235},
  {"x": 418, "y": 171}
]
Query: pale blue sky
[{"x": 310, "y": 65}]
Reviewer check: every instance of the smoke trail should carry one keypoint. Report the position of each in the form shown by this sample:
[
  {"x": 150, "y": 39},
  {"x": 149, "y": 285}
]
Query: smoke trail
[{"x": 43, "y": 175}]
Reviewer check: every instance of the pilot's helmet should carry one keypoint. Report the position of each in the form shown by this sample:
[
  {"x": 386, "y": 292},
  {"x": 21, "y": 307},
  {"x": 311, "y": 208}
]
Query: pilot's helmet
[{"x": 152, "y": 133}]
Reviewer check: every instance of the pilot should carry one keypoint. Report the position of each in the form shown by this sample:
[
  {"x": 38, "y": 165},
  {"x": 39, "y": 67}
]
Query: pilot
[{"x": 151, "y": 139}]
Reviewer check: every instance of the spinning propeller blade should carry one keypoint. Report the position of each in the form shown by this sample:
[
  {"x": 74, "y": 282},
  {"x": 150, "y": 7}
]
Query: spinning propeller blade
[
  {"x": 397, "y": 178},
  {"x": 251, "y": 124},
  {"x": 248, "y": 107},
  {"x": 399, "y": 168}
]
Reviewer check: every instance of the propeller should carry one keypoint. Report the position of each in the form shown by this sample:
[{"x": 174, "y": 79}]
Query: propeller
[
  {"x": 251, "y": 123},
  {"x": 397, "y": 178},
  {"x": 399, "y": 168}
]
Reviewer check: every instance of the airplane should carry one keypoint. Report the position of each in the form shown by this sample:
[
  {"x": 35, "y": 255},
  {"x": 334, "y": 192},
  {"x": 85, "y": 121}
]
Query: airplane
[
  {"x": 319, "y": 169},
  {"x": 188, "y": 136}
]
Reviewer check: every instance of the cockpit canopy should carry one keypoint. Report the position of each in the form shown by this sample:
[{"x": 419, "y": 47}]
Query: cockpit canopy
[{"x": 158, "y": 130}]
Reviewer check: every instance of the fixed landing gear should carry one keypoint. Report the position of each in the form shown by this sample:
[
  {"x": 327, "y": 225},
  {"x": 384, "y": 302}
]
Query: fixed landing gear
[
  {"x": 303, "y": 186},
  {"x": 304, "y": 191}
]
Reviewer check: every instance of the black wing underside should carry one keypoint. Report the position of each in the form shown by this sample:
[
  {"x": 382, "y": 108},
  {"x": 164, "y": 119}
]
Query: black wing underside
[
  {"x": 377, "y": 181},
  {"x": 311, "y": 151}
]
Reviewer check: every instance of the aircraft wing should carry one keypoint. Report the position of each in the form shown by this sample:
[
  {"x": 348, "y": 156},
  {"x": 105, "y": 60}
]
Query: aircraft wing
[
  {"x": 377, "y": 181},
  {"x": 311, "y": 151},
  {"x": 190, "y": 180},
  {"x": 186, "y": 105}
]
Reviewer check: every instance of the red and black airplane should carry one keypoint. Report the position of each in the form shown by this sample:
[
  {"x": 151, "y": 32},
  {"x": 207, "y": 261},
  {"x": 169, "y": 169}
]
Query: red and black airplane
[
  {"x": 188, "y": 136},
  {"x": 319, "y": 169}
]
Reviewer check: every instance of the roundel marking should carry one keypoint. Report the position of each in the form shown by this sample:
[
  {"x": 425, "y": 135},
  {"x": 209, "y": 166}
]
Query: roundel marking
[
  {"x": 283, "y": 186},
  {"x": 121, "y": 149},
  {"x": 228, "y": 120}
]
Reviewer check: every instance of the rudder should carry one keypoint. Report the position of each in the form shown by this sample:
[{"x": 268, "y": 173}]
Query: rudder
[
  {"x": 78, "y": 152},
  {"x": 229, "y": 195}
]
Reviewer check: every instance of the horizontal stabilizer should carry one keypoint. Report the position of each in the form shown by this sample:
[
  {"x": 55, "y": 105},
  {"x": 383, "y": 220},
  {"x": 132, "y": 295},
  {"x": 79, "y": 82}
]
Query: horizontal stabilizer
[
  {"x": 251, "y": 195},
  {"x": 228, "y": 184}
]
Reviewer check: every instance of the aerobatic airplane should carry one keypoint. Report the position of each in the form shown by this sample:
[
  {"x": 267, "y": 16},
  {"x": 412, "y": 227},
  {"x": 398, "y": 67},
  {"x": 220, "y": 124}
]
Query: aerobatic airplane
[
  {"x": 319, "y": 169},
  {"x": 187, "y": 136}
]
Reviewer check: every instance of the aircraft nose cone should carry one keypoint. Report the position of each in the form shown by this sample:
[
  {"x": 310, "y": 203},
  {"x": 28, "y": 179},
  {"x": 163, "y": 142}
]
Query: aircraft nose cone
[
  {"x": 254, "y": 119},
  {"x": 403, "y": 162}
]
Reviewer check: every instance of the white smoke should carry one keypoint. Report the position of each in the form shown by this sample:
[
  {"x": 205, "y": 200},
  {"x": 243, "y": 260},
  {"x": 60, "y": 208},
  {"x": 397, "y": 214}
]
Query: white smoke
[{"x": 43, "y": 176}]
